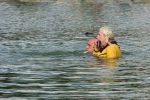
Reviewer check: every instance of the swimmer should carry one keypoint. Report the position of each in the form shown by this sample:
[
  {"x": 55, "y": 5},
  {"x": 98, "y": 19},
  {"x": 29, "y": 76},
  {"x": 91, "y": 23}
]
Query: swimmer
[
  {"x": 109, "y": 47},
  {"x": 90, "y": 45}
]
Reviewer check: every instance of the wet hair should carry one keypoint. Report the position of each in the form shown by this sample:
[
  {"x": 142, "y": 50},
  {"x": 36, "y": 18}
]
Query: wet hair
[
  {"x": 92, "y": 39},
  {"x": 108, "y": 32}
]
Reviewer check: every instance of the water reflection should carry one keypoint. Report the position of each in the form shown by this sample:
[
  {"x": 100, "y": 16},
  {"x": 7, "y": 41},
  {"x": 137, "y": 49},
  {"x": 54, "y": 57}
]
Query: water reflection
[{"x": 104, "y": 75}]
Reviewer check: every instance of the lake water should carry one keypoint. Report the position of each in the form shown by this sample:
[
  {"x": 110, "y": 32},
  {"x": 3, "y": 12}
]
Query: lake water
[{"x": 42, "y": 45}]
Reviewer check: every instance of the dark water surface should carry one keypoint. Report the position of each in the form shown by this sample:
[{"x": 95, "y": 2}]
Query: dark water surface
[{"x": 42, "y": 45}]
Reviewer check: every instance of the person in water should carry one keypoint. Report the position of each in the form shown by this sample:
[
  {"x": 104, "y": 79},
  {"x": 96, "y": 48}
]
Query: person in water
[
  {"x": 90, "y": 45},
  {"x": 106, "y": 46}
]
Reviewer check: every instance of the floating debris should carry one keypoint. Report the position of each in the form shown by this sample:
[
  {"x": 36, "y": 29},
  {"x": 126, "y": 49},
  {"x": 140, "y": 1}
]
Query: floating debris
[
  {"x": 85, "y": 52},
  {"x": 88, "y": 33}
]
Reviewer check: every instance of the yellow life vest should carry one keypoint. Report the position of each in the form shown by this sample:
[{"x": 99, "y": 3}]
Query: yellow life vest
[{"x": 111, "y": 51}]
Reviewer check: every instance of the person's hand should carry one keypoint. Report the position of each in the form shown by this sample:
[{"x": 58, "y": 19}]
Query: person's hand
[{"x": 98, "y": 44}]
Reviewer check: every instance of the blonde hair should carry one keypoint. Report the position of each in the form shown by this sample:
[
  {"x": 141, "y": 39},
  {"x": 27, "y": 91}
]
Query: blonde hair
[{"x": 108, "y": 32}]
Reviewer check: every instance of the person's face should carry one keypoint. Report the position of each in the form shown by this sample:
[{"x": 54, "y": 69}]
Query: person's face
[
  {"x": 90, "y": 46},
  {"x": 101, "y": 37}
]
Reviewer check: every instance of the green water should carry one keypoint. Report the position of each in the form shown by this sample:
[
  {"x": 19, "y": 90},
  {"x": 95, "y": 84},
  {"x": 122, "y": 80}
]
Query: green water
[{"x": 42, "y": 47}]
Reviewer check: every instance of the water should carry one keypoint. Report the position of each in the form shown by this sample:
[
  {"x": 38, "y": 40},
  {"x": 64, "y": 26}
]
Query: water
[{"x": 42, "y": 47}]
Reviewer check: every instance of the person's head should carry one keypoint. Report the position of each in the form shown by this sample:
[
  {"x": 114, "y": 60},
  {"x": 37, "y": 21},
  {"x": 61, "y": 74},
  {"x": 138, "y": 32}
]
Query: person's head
[
  {"x": 90, "y": 45},
  {"x": 105, "y": 34}
]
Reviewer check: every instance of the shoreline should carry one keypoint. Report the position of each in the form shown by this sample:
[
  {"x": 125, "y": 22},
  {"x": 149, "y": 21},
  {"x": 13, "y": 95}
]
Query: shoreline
[{"x": 86, "y": 1}]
